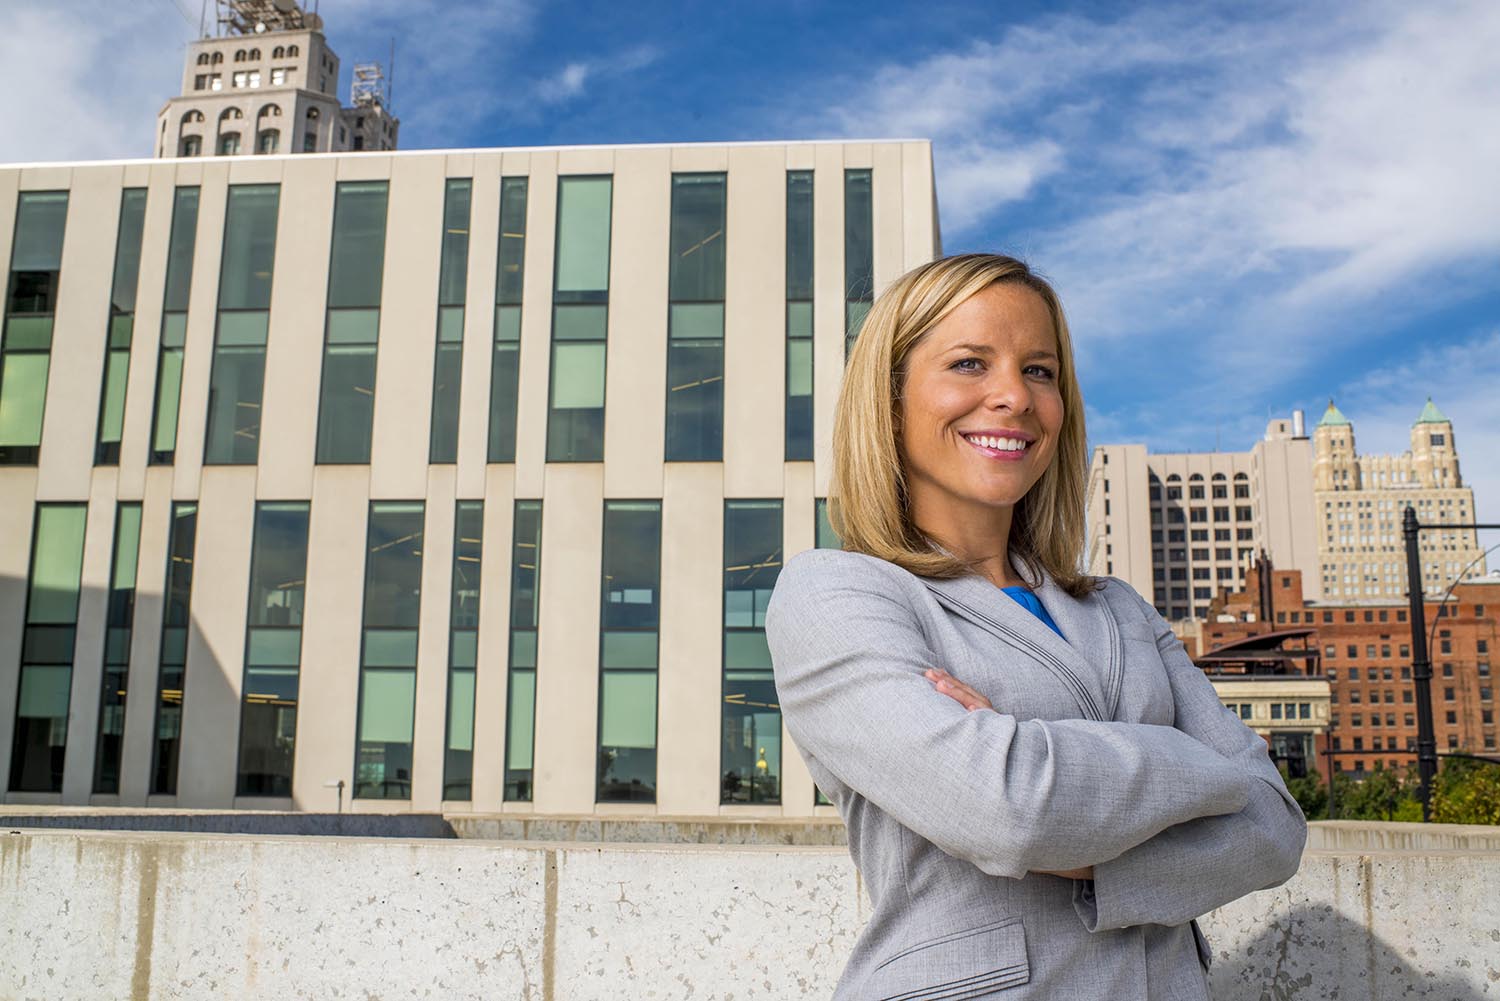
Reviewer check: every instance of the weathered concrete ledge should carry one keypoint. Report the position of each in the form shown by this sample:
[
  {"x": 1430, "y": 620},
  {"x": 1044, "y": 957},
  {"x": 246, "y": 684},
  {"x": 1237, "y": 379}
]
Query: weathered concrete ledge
[
  {"x": 353, "y": 825},
  {"x": 1341, "y": 835},
  {"x": 87, "y": 915}
]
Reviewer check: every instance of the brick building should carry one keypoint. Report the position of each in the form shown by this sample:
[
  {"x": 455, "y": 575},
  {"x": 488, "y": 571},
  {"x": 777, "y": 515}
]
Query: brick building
[{"x": 1364, "y": 652}]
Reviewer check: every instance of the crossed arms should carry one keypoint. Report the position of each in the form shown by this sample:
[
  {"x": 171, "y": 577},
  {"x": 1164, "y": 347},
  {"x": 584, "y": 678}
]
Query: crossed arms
[{"x": 1156, "y": 810}]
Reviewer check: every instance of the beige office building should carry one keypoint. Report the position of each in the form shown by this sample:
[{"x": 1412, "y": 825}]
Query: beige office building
[
  {"x": 460, "y": 478},
  {"x": 1180, "y": 526},
  {"x": 1360, "y": 501}
]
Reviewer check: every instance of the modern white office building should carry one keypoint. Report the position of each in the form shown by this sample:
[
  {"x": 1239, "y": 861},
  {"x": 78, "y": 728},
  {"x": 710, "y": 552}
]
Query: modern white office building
[{"x": 459, "y": 477}]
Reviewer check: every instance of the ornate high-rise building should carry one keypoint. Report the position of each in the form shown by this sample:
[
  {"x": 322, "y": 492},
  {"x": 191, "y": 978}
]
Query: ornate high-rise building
[
  {"x": 267, "y": 82},
  {"x": 1360, "y": 500}
]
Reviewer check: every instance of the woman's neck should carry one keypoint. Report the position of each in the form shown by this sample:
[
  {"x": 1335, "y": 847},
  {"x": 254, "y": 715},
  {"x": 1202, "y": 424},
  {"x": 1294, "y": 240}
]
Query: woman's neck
[{"x": 971, "y": 532}]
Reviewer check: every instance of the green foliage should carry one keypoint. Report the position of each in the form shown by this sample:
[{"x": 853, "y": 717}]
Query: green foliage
[
  {"x": 1381, "y": 795},
  {"x": 1466, "y": 792},
  {"x": 1310, "y": 793}
]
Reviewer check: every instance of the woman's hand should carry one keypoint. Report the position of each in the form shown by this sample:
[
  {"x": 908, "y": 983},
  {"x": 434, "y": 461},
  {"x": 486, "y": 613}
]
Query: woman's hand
[{"x": 957, "y": 690}]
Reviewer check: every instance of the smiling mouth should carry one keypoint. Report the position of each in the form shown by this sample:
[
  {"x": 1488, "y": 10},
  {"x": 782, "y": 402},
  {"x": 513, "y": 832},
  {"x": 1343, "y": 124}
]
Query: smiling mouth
[{"x": 998, "y": 447}]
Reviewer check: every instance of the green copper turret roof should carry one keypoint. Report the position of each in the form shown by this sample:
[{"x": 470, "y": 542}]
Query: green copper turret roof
[
  {"x": 1430, "y": 415},
  {"x": 1332, "y": 417}
]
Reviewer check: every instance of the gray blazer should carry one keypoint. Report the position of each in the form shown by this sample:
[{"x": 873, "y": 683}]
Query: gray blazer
[{"x": 1109, "y": 748}]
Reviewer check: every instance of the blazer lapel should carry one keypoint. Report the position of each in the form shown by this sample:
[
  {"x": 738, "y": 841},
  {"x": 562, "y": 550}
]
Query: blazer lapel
[
  {"x": 1094, "y": 634},
  {"x": 1088, "y": 662}
]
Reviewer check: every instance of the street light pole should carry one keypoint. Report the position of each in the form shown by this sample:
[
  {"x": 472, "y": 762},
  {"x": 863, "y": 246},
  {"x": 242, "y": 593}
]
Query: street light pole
[{"x": 1421, "y": 666}]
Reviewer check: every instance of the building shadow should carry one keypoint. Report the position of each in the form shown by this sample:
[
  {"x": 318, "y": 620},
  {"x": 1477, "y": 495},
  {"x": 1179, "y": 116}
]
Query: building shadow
[{"x": 1310, "y": 953}]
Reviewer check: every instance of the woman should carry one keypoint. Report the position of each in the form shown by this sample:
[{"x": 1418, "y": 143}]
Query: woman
[{"x": 1041, "y": 791}]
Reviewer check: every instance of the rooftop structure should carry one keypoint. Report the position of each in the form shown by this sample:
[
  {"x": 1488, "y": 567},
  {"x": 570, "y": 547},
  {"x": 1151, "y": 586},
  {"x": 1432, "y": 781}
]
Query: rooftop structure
[{"x": 267, "y": 82}]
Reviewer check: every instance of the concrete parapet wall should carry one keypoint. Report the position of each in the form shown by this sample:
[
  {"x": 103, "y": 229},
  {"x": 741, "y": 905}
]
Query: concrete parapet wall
[{"x": 131, "y": 915}]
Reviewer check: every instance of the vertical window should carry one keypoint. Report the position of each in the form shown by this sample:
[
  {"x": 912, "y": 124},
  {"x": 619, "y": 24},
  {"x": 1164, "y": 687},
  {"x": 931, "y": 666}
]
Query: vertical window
[
  {"x": 799, "y": 315},
  {"x": 172, "y": 673},
  {"x": 505, "y": 368},
  {"x": 751, "y": 747},
  {"x": 388, "y": 653},
  {"x": 174, "y": 324},
  {"x": 346, "y": 409},
  {"x": 41, "y": 732},
  {"x": 520, "y": 730},
  {"x": 119, "y": 618},
  {"x": 695, "y": 320},
  {"x": 244, "y": 316},
  {"x": 824, "y": 535},
  {"x": 121, "y": 325},
  {"x": 859, "y": 253},
  {"x": 463, "y": 650},
  {"x": 580, "y": 318},
  {"x": 273, "y": 649},
  {"x": 447, "y": 369},
  {"x": 824, "y": 538},
  {"x": 30, "y": 303},
  {"x": 628, "y": 630}
]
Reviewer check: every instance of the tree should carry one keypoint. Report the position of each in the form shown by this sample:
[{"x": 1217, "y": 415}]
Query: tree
[{"x": 1466, "y": 792}]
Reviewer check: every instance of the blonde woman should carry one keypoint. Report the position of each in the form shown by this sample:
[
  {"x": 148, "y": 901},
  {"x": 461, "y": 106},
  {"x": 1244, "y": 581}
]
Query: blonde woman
[{"x": 1041, "y": 791}]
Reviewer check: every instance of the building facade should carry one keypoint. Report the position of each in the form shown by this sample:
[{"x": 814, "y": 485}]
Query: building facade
[
  {"x": 448, "y": 480},
  {"x": 267, "y": 83},
  {"x": 1179, "y": 526},
  {"x": 1360, "y": 500},
  {"x": 1364, "y": 651}
]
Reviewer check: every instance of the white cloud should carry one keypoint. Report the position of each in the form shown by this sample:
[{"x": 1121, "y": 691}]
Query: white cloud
[
  {"x": 573, "y": 79},
  {"x": 1239, "y": 200},
  {"x": 85, "y": 81}
]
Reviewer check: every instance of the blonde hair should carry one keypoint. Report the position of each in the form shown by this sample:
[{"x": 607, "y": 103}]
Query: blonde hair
[{"x": 867, "y": 503}]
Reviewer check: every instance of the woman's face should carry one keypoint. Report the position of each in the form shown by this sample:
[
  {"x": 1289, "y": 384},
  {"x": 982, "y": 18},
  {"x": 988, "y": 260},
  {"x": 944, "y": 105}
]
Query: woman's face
[{"x": 981, "y": 410}]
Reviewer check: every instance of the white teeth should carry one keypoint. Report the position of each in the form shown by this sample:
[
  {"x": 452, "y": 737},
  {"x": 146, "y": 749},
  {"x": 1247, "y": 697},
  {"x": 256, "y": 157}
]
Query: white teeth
[{"x": 999, "y": 444}]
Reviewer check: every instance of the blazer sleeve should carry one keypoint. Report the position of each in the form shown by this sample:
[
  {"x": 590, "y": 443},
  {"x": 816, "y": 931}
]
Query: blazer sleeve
[
  {"x": 1193, "y": 867},
  {"x": 1010, "y": 796}
]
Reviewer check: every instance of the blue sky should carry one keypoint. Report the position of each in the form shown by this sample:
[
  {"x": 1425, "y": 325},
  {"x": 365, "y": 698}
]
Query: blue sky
[{"x": 1247, "y": 208}]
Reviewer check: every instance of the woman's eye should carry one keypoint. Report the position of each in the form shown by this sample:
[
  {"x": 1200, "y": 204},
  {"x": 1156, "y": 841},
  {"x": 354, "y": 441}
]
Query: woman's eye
[
  {"x": 965, "y": 361},
  {"x": 1046, "y": 373}
]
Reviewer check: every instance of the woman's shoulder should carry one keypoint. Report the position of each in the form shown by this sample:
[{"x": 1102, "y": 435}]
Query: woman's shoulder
[
  {"x": 819, "y": 575},
  {"x": 835, "y": 566},
  {"x": 1124, "y": 600}
]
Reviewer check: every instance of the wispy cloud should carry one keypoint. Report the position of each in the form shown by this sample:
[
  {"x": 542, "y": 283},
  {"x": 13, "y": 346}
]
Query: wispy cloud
[
  {"x": 1237, "y": 193},
  {"x": 86, "y": 81},
  {"x": 573, "y": 80}
]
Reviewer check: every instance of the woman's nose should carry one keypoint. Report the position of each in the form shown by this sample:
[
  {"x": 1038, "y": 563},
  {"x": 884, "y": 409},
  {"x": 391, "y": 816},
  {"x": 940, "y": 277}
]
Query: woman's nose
[{"x": 1007, "y": 390}]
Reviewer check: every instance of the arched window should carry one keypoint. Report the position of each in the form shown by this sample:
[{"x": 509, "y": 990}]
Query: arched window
[
  {"x": 312, "y": 114},
  {"x": 1196, "y": 478},
  {"x": 1219, "y": 477},
  {"x": 255, "y": 55},
  {"x": 1241, "y": 478},
  {"x": 216, "y": 58},
  {"x": 278, "y": 52},
  {"x": 292, "y": 52},
  {"x": 231, "y": 113},
  {"x": 192, "y": 117},
  {"x": 239, "y": 55},
  {"x": 203, "y": 59},
  {"x": 270, "y": 111},
  {"x": 1174, "y": 478},
  {"x": 269, "y": 141}
]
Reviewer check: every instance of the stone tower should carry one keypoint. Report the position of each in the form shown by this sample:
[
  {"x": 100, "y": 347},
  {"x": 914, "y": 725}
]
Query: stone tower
[{"x": 267, "y": 82}]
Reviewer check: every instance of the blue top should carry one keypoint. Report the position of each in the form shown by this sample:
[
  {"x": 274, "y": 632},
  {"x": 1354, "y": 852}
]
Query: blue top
[{"x": 1033, "y": 605}]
